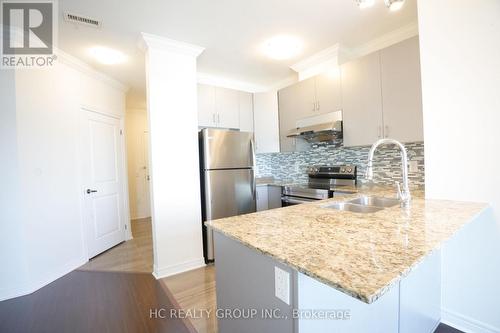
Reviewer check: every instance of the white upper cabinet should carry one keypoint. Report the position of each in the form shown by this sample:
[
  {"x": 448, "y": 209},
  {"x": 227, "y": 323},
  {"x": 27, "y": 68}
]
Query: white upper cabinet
[
  {"x": 382, "y": 96},
  {"x": 295, "y": 102},
  {"x": 224, "y": 108},
  {"x": 328, "y": 92},
  {"x": 207, "y": 116},
  {"x": 317, "y": 95},
  {"x": 362, "y": 101},
  {"x": 246, "y": 112},
  {"x": 267, "y": 137},
  {"x": 402, "y": 91},
  {"x": 227, "y": 107}
]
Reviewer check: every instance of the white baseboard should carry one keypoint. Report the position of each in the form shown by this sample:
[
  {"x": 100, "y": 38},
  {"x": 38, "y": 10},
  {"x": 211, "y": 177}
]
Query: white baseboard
[
  {"x": 41, "y": 282},
  {"x": 465, "y": 324},
  {"x": 160, "y": 273}
]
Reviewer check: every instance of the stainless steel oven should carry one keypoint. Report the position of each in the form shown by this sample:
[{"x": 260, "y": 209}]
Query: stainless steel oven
[{"x": 324, "y": 182}]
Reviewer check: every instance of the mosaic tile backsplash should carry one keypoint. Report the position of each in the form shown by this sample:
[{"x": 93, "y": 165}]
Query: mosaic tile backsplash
[{"x": 387, "y": 162}]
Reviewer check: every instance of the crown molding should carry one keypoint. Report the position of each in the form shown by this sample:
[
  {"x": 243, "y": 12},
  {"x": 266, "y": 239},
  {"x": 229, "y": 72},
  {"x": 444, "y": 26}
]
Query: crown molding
[
  {"x": 321, "y": 61},
  {"x": 149, "y": 41},
  {"x": 219, "y": 81},
  {"x": 334, "y": 52},
  {"x": 338, "y": 54},
  {"x": 85, "y": 68},
  {"x": 386, "y": 40},
  {"x": 283, "y": 83}
]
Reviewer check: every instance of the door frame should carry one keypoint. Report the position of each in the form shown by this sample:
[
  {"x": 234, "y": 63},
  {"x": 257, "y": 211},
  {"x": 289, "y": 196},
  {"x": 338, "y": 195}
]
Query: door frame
[{"x": 124, "y": 174}]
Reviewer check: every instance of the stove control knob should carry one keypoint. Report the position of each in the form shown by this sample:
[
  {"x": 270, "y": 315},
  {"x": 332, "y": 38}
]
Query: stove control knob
[{"x": 349, "y": 170}]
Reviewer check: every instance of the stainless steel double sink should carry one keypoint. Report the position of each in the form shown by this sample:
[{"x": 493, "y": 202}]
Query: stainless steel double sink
[{"x": 364, "y": 204}]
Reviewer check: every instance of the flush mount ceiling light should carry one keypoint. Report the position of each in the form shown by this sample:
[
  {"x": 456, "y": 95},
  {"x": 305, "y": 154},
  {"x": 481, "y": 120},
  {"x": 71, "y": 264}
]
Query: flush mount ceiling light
[
  {"x": 282, "y": 47},
  {"x": 394, "y": 5},
  {"x": 365, "y": 3},
  {"x": 107, "y": 56}
]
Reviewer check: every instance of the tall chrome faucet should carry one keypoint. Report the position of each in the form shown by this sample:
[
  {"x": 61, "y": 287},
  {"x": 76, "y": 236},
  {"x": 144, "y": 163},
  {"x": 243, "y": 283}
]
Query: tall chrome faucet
[{"x": 404, "y": 194}]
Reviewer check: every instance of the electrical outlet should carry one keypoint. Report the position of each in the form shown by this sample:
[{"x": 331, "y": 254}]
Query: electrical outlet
[
  {"x": 282, "y": 285},
  {"x": 413, "y": 166}
]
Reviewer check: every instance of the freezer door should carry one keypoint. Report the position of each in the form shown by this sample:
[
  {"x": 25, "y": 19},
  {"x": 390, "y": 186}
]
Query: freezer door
[
  {"x": 227, "y": 193},
  {"x": 226, "y": 149}
]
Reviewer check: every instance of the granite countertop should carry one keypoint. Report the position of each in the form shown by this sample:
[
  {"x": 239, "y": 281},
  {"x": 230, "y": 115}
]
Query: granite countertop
[{"x": 362, "y": 255}]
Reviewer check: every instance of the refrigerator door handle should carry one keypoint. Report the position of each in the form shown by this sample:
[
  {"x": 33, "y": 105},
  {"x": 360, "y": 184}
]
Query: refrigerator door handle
[{"x": 254, "y": 185}]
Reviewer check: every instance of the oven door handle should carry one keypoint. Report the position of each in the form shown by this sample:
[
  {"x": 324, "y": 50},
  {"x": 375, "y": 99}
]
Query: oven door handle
[{"x": 296, "y": 201}]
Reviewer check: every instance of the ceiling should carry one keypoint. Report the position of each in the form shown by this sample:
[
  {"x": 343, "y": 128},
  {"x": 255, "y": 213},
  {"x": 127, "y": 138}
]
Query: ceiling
[{"x": 230, "y": 30}]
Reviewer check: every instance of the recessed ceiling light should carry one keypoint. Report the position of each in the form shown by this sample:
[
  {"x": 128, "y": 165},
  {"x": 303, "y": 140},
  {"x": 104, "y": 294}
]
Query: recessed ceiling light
[
  {"x": 107, "y": 56},
  {"x": 282, "y": 47},
  {"x": 394, "y": 5},
  {"x": 365, "y": 3}
]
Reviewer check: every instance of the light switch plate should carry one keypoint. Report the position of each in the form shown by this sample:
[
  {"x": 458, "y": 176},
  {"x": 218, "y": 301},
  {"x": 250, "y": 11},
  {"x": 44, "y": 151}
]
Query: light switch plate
[
  {"x": 282, "y": 285},
  {"x": 413, "y": 166}
]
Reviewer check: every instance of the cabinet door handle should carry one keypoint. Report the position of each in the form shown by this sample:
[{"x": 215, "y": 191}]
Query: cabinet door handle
[
  {"x": 213, "y": 118},
  {"x": 314, "y": 106},
  {"x": 218, "y": 118},
  {"x": 386, "y": 131},
  {"x": 317, "y": 107}
]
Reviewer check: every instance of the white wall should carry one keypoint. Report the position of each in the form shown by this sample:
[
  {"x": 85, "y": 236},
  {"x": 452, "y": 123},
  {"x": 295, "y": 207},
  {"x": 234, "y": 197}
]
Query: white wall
[
  {"x": 13, "y": 274},
  {"x": 48, "y": 104},
  {"x": 460, "y": 58},
  {"x": 136, "y": 131}
]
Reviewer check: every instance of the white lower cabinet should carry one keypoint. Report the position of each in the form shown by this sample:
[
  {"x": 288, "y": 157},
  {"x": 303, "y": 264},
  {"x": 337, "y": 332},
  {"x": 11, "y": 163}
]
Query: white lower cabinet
[
  {"x": 262, "y": 198},
  {"x": 268, "y": 197},
  {"x": 412, "y": 306},
  {"x": 274, "y": 196}
]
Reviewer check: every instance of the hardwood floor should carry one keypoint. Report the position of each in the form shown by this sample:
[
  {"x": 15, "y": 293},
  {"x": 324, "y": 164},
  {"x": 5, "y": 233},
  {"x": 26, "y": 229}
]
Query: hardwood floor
[
  {"x": 105, "y": 296},
  {"x": 446, "y": 329},
  {"x": 194, "y": 291},
  {"x": 135, "y": 255},
  {"x": 93, "y": 302}
]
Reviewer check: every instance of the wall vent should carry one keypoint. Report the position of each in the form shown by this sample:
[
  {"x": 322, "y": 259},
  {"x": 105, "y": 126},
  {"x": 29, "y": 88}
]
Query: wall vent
[{"x": 82, "y": 20}]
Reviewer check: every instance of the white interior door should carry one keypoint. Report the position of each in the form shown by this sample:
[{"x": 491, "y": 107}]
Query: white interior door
[
  {"x": 143, "y": 197},
  {"x": 103, "y": 182}
]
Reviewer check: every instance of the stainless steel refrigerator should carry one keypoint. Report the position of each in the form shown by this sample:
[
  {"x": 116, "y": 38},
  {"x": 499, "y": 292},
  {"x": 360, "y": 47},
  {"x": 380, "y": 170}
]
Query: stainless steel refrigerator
[{"x": 227, "y": 161}]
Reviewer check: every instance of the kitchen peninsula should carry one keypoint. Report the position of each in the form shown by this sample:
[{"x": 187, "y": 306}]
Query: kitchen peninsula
[{"x": 383, "y": 268}]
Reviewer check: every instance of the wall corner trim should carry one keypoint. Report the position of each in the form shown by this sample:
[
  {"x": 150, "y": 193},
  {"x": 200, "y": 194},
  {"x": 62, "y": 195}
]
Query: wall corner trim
[
  {"x": 150, "y": 41},
  {"x": 465, "y": 323},
  {"x": 164, "y": 272}
]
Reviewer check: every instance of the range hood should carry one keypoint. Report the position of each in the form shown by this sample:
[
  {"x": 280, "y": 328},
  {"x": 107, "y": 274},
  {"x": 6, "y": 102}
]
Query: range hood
[{"x": 327, "y": 127}]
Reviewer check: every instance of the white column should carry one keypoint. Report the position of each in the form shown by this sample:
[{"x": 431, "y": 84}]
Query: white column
[{"x": 175, "y": 180}]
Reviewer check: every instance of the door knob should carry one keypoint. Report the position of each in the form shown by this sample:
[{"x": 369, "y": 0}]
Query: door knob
[{"x": 91, "y": 191}]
